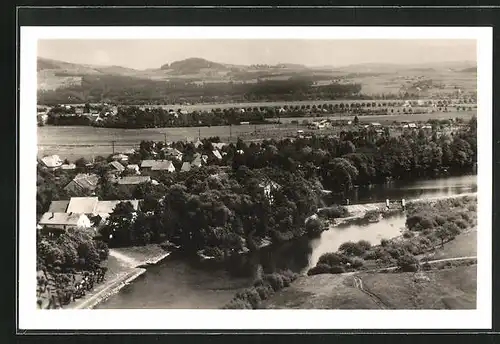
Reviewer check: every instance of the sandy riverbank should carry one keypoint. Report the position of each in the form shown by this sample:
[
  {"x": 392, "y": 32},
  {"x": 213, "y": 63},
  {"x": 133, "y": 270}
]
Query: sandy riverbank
[{"x": 124, "y": 266}]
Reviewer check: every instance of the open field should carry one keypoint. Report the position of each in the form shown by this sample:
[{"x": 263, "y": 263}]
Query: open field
[
  {"x": 85, "y": 141},
  {"x": 464, "y": 245},
  {"x": 453, "y": 288}
]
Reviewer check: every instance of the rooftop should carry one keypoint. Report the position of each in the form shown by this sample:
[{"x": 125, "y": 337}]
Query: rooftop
[
  {"x": 132, "y": 180},
  {"x": 58, "y": 206},
  {"x": 117, "y": 166},
  {"x": 60, "y": 219},
  {"x": 107, "y": 207},
  {"x": 52, "y": 161},
  {"x": 83, "y": 205}
]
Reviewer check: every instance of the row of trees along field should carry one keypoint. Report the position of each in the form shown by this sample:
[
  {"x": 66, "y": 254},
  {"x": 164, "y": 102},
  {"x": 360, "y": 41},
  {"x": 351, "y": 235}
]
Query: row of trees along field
[
  {"x": 129, "y": 90},
  {"x": 135, "y": 117},
  {"x": 225, "y": 208}
]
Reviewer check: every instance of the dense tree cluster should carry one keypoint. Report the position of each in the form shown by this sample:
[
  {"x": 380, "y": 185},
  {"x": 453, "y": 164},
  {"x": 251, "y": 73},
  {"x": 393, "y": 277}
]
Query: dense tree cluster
[
  {"x": 68, "y": 266},
  {"x": 225, "y": 210},
  {"x": 130, "y": 90}
]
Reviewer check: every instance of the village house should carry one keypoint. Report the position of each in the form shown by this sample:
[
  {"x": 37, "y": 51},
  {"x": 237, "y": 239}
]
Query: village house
[
  {"x": 157, "y": 165},
  {"x": 120, "y": 157},
  {"x": 217, "y": 154},
  {"x": 134, "y": 180},
  {"x": 52, "y": 161},
  {"x": 82, "y": 205},
  {"x": 58, "y": 206},
  {"x": 133, "y": 168},
  {"x": 198, "y": 143},
  {"x": 57, "y": 222},
  {"x": 172, "y": 153},
  {"x": 104, "y": 208},
  {"x": 186, "y": 166},
  {"x": 218, "y": 145},
  {"x": 196, "y": 162},
  {"x": 83, "y": 184},
  {"x": 68, "y": 167},
  {"x": 116, "y": 167}
]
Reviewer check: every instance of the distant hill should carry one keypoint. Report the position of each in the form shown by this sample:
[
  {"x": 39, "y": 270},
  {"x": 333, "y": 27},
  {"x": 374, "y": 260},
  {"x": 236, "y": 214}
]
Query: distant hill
[
  {"x": 193, "y": 65},
  {"x": 469, "y": 70},
  {"x": 79, "y": 81}
]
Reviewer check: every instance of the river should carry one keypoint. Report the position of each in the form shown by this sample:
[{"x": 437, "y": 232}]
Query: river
[{"x": 178, "y": 283}]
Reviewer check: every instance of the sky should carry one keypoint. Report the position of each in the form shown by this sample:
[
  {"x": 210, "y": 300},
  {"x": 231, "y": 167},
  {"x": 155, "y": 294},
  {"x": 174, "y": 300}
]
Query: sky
[{"x": 149, "y": 53}]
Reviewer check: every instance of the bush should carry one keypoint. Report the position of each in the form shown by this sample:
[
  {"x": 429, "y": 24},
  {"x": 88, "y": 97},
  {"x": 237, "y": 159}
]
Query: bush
[
  {"x": 408, "y": 234},
  {"x": 274, "y": 280},
  {"x": 384, "y": 242},
  {"x": 408, "y": 263},
  {"x": 238, "y": 304},
  {"x": 439, "y": 220},
  {"x": 315, "y": 225},
  {"x": 319, "y": 269},
  {"x": 264, "y": 291},
  {"x": 354, "y": 249},
  {"x": 460, "y": 224},
  {"x": 331, "y": 259},
  {"x": 337, "y": 269},
  {"x": 357, "y": 262},
  {"x": 333, "y": 212}
]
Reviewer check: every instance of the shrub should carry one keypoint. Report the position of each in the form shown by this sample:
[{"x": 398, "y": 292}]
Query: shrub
[
  {"x": 238, "y": 304},
  {"x": 465, "y": 217},
  {"x": 264, "y": 291},
  {"x": 460, "y": 224},
  {"x": 352, "y": 249},
  {"x": 439, "y": 220},
  {"x": 337, "y": 269},
  {"x": 315, "y": 225},
  {"x": 408, "y": 234},
  {"x": 319, "y": 269},
  {"x": 274, "y": 280},
  {"x": 333, "y": 212},
  {"x": 426, "y": 231},
  {"x": 251, "y": 296},
  {"x": 331, "y": 259},
  {"x": 384, "y": 242},
  {"x": 357, "y": 262},
  {"x": 365, "y": 244},
  {"x": 408, "y": 263}
]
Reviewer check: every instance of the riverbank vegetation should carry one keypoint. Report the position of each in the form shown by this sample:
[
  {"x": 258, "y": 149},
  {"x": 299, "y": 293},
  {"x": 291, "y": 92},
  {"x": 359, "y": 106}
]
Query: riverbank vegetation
[
  {"x": 68, "y": 266},
  {"x": 262, "y": 289},
  {"x": 429, "y": 225}
]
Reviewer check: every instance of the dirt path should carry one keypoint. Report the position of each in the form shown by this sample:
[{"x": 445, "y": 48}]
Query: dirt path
[{"x": 358, "y": 283}]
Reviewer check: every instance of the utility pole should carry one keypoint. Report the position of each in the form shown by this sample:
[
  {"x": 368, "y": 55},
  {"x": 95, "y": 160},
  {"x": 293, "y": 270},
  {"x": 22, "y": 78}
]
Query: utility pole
[
  {"x": 113, "y": 144},
  {"x": 165, "y": 135},
  {"x": 199, "y": 133},
  {"x": 230, "y": 131}
]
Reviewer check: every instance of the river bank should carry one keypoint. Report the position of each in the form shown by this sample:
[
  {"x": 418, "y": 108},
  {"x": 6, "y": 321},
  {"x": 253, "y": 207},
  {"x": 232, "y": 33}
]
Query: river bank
[{"x": 124, "y": 266}]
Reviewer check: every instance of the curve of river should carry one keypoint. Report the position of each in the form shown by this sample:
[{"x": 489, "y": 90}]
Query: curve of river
[{"x": 179, "y": 283}]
